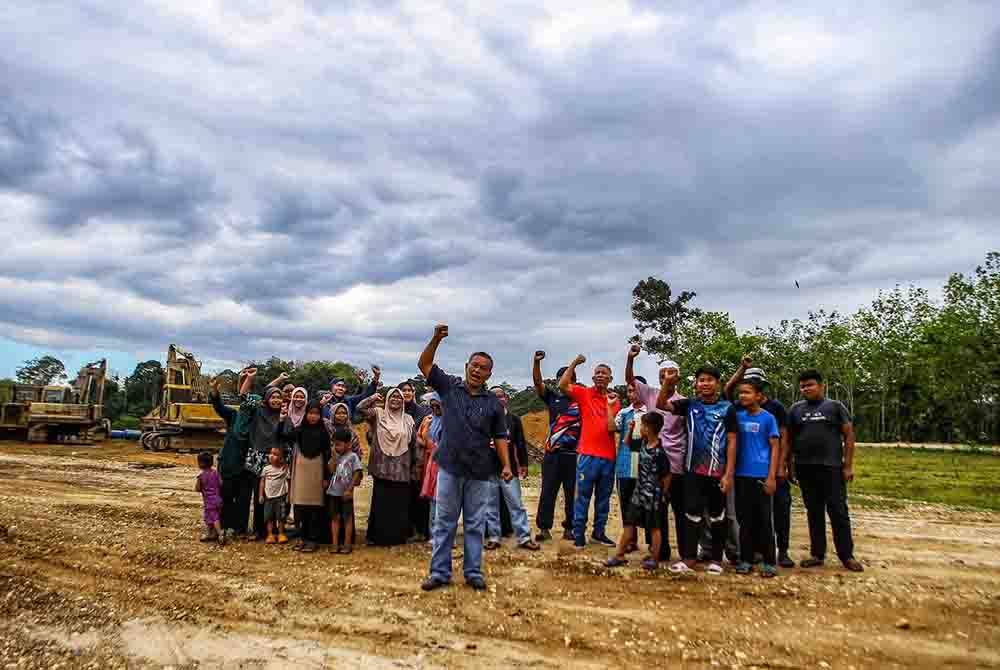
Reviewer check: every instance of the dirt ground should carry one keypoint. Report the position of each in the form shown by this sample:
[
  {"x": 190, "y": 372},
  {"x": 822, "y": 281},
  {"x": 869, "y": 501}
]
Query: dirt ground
[{"x": 100, "y": 567}]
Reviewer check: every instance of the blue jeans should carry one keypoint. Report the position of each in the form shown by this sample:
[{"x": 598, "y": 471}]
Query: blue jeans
[
  {"x": 459, "y": 496},
  {"x": 594, "y": 476},
  {"x": 511, "y": 492}
]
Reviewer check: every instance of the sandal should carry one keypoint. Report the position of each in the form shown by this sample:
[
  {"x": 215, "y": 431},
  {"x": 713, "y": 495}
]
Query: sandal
[
  {"x": 650, "y": 564},
  {"x": 615, "y": 562},
  {"x": 812, "y": 562},
  {"x": 680, "y": 568},
  {"x": 529, "y": 546},
  {"x": 346, "y": 549},
  {"x": 491, "y": 545},
  {"x": 334, "y": 550},
  {"x": 768, "y": 571}
]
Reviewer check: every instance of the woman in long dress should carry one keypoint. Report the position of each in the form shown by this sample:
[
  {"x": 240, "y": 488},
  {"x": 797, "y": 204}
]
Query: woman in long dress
[{"x": 393, "y": 438}]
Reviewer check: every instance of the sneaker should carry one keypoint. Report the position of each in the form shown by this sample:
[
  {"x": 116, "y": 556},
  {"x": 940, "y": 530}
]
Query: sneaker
[
  {"x": 785, "y": 561},
  {"x": 568, "y": 535},
  {"x": 543, "y": 536},
  {"x": 271, "y": 539},
  {"x": 854, "y": 565},
  {"x": 768, "y": 571},
  {"x": 714, "y": 569},
  {"x": 477, "y": 583},
  {"x": 209, "y": 537},
  {"x": 579, "y": 546},
  {"x": 811, "y": 562},
  {"x": 282, "y": 539},
  {"x": 743, "y": 568},
  {"x": 603, "y": 539},
  {"x": 432, "y": 583}
]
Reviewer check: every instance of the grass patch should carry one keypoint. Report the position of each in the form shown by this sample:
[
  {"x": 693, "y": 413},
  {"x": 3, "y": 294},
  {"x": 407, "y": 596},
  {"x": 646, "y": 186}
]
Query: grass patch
[
  {"x": 126, "y": 422},
  {"x": 958, "y": 478},
  {"x": 965, "y": 479}
]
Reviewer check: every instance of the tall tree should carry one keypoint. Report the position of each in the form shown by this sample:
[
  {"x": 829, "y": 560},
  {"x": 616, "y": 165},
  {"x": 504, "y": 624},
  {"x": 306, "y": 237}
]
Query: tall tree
[
  {"x": 142, "y": 388},
  {"x": 657, "y": 312},
  {"x": 41, "y": 371}
]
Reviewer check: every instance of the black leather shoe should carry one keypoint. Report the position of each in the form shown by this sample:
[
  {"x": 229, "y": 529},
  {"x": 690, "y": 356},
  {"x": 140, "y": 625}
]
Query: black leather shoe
[
  {"x": 432, "y": 583},
  {"x": 477, "y": 583}
]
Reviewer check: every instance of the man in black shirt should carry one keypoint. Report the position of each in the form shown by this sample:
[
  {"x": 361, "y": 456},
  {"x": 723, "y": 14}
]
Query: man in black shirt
[
  {"x": 559, "y": 462},
  {"x": 821, "y": 436}
]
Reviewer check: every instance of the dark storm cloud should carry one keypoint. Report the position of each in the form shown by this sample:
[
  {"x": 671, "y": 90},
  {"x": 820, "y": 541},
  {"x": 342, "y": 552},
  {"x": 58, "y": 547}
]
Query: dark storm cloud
[{"x": 226, "y": 175}]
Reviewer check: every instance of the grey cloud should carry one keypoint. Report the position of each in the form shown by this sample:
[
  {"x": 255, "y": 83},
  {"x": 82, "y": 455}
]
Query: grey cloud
[{"x": 537, "y": 187}]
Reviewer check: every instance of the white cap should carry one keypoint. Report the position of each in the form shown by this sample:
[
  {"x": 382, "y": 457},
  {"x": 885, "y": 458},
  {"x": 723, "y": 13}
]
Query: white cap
[{"x": 670, "y": 364}]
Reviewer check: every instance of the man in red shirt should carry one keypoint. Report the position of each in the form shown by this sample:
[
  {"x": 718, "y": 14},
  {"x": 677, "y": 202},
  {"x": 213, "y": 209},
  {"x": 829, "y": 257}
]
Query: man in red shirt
[{"x": 595, "y": 466}]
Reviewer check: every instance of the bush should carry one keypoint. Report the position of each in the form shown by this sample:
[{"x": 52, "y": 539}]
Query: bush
[{"x": 126, "y": 422}]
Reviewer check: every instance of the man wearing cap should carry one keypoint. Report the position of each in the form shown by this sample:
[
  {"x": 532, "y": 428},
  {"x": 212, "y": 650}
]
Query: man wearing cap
[
  {"x": 673, "y": 441},
  {"x": 338, "y": 393},
  {"x": 559, "y": 462},
  {"x": 783, "y": 493}
]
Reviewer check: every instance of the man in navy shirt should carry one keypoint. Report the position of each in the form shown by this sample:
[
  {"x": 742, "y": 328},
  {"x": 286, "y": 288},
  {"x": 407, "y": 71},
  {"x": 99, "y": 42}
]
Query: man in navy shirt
[{"x": 473, "y": 418}]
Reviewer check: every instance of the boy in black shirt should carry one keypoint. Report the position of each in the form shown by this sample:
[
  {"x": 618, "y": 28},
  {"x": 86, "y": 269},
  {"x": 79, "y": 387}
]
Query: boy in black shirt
[{"x": 822, "y": 441}]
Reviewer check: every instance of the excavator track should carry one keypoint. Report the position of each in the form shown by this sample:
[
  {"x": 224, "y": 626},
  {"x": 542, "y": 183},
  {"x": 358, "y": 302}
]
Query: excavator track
[{"x": 178, "y": 441}]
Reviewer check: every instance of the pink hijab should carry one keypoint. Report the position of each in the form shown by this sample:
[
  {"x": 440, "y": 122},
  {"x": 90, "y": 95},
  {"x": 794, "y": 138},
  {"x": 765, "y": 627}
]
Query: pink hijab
[{"x": 296, "y": 415}]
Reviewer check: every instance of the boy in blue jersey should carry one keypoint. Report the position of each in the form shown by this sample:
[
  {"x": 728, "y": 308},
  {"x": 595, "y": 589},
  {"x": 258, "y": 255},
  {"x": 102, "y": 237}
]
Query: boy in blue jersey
[
  {"x": 754, "y": 447},
  {"x": 708, "y": 473}
]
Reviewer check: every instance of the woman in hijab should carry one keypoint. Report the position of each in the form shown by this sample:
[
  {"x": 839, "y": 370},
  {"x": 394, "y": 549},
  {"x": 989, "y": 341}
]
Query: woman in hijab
[
  {"x": 297, "y": 406},
  {"x": 235, "y": 495},
  {"x": 310, "y": 457},
  {"x": 390, "y": 463},
  {"x": 263, "y": 418},
  {"x": 431, "y": 430}
]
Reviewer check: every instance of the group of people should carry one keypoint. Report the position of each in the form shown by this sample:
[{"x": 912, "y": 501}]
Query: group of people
[{"x": 723, "y": 461}]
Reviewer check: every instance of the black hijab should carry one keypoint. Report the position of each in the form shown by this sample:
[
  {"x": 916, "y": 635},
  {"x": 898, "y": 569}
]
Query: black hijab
[
  {"x": 314, "y": 439},
  {"x": 264, "y": 432}
]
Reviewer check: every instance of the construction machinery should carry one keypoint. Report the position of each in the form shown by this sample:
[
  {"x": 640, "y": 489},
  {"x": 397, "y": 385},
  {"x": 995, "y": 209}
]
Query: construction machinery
[
  {"x": 57, "y": 413},
  {"x": 184, "y": 420}
]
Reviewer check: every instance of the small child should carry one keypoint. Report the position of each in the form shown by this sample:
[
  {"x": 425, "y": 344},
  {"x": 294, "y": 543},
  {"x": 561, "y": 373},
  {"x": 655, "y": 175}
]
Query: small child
[
  {"x": 346, "y": 470},
  {"x": 274, "y": 494},
  {"x": 209, "y": 485},
  {"x": 753, "y": 445},
  {"x": 644, "y": 506}
]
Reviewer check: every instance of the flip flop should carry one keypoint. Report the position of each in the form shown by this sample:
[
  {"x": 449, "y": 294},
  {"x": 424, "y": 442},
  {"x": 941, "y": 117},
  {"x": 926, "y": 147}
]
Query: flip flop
[{"x": 615, "y": 562}]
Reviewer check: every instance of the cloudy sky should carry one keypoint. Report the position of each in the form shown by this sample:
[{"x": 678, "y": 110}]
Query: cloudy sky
[{"x": 320, "y": 179}]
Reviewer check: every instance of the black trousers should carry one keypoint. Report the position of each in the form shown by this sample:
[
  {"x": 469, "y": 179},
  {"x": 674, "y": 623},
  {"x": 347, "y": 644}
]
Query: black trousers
[
  {"x": 753, "y": 507},
  {"x": 420, "y": 511},
  {"x": 250, "y": 491},
  {"x": 824, "y": 492},
  {"x": 558, "y": 471},
  {"x": 313, "y": 523},
  {"x": 782, "y": 505},
  {"x": 676, "y": 493},
  {"x": 235, "y": 506},
  {"x": 702, "y": 493}
]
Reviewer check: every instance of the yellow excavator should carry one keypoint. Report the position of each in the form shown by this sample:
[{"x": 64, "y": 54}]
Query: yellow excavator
[
  {"x": 57, "y": 413},
  {"x": 184, "y": 420}
]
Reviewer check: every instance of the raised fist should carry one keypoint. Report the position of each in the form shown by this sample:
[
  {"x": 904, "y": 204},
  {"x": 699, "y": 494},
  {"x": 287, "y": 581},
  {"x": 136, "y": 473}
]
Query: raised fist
[
  {"x": 580, "y": 359},
  {"x": 634, "y": 350},
  {"x": 746, "y": 361},
  {"x": 376, "y": 373},
  {"x": 250, "y": 372},
  {"x": 441, "y": 331},
  {"x": 214, "y": 384},
  {"x": 539, "y": 355},
  {"x": 671, "y": 376}
]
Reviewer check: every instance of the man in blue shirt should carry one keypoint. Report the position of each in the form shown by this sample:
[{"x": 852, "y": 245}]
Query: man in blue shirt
[{"x": 473, "y": 418}]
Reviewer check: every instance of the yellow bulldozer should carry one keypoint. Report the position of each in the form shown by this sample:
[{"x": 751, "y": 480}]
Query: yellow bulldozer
[
  {"x": 184, "y": 420},
  {"x": 55, "y": 413}
]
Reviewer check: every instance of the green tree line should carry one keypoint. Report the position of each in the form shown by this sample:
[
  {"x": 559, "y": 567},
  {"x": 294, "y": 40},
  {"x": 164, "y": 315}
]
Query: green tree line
[{"x": 909, "y": 368}]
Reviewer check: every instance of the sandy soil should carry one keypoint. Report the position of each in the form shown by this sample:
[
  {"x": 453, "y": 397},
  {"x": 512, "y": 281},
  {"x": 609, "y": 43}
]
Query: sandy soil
[{"x": 100, "y": 567}]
